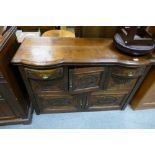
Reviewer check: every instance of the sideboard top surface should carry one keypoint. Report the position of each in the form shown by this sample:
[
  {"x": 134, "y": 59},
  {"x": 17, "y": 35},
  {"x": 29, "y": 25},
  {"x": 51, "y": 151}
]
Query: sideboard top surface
[{"x": 45, "y": 51}]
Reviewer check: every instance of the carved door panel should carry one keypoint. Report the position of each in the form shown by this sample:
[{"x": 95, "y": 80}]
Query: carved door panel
[
  {"x": 55, "y": 80},
  {"x": 86, "y": 79},
  {"x": 102, "y": 100},
  {"x": 50, "y": 102},
  {"x": 123, "y": 78}
]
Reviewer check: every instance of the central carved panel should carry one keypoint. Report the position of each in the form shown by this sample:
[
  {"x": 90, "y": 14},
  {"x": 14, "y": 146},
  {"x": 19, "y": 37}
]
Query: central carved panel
[{"x": 86, "y": 81}]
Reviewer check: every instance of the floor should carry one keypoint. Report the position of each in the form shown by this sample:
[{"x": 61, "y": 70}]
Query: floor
[{"x": 126, "y": 119}]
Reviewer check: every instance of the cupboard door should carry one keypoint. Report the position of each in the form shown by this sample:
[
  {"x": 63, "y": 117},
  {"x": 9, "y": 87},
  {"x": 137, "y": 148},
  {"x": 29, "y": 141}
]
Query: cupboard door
[
  {"x": 86, "y": 79},
  {"x": 102, "y": 100},
  {"x": 55, "y": 80},
  {"x": 123, "y": 78},
  {"x": 51, "y": 102}
]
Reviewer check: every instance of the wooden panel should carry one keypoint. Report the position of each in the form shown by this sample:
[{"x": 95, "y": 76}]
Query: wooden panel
[
  {"x": 145, "y": 96},
  {"x": 14, "y": 87},
  {"x": 123, "y": 78},
  {"x": 95, "y": 31},
  {"x": 126, "y": 71},
  {"x": 86, "y": 79},
  {"x": 55, "y": 80},
  {"x": 14, "y": 103},
  {"x": 44, "y": 51},
  {"x": 5, "y": 111},
  {"x": 57, "y": 85},
  {"x": 8, "y": 97},
  {"x": 44, "y": 74},
  {"x": 51, "y": 102},
  {"x": 101, "y": 100}
]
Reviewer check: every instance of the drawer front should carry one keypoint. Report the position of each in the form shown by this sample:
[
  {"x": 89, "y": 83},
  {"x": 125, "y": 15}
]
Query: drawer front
[
  {"x": 104, "y": 100},
  {"x": 44, "y": 74},
  {"x": 86, "y": 79},
  {"x": 123, "y": 78},
  {"x": 48, "y": 85},
  {"x": 55, "y": 80},
  {"x": 50, "y": 102},
  {"x": 127, "y": 71}
]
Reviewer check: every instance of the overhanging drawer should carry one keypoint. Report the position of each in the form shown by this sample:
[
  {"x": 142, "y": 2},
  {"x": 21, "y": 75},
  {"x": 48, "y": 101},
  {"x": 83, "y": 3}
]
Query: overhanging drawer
[
  {"x": 127, "y": 71},
  {"x": 123, "y": 78},
  {"x": 55, "y": 80},
  {"x": 44, "y": 74}
]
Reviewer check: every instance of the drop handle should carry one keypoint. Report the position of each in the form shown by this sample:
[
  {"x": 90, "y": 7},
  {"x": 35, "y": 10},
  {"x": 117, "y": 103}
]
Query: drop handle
[
  {"x": 81, "y": 105},
  {"x": 130, "y": 74},
  {"x": 87, "y": 104},
  {"x": 45, "y": 76},
  {"x": 70, "y": 84}
]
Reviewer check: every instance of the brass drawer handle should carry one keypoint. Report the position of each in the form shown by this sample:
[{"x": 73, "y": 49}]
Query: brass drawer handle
[
  {"x": 81, "y": 104},
  {"x": 45, "y": 76},
  {"x": 130, "y": 73}
]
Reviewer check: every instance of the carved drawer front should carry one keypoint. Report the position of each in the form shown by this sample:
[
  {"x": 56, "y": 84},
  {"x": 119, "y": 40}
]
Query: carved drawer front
[
  {"x": 55, "y": 80},
  {"x": 104, "y": 100},
  {"x": 123, "y": 78},
  {"x": 86, "y": 79},
  {"x": 5, "y": 111},
  {"x": 51, "y": 102}
]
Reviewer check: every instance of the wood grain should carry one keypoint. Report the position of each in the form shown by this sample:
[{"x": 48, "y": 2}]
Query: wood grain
[
  {"x": 44, "y": 51},
  {"x": 14, "y": 100},
  {"x": 96, "y": 76}
]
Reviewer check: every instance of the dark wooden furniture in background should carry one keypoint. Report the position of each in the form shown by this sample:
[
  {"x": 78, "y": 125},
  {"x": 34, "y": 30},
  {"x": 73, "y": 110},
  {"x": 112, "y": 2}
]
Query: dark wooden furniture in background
[
  {"x": 95, "y": 31},
  {"x": 79, "y": 74},
  {"x": 14, "y": 102},
  {"x": 145, "y": 96},
  {"x": 36, "y": 28}
]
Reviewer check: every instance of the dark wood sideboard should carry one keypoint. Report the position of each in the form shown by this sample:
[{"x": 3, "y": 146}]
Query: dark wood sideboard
[
  {"x": 79, "y": 74},
  {"x": 14, "y": 101}
]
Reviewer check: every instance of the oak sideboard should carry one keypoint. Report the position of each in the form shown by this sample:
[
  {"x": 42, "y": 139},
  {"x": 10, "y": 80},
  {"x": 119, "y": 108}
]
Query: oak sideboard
[{"x": 79, "y": 74}]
